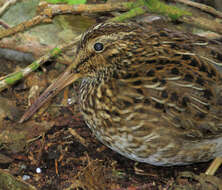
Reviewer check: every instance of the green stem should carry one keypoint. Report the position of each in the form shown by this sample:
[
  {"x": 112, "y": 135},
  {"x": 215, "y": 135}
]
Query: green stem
[{"x": 14, "y": 77}]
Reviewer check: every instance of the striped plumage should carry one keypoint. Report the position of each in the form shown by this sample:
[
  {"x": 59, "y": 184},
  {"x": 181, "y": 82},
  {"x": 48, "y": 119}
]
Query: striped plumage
[{"x": 151, "y": 94}]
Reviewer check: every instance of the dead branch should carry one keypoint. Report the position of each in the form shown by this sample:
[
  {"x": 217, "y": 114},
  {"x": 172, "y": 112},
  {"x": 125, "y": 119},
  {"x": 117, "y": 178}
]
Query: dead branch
[
  {"x": 25, "y": 46},
  {"x": 84, "y": 8},
  {"x": 4, "y": 25},
  {"x": 203, "y": 23},
  {"x": 7, "y": 5},
  {"x": 202, "y": 7},
  {"x": 48, "y": 11},
  {"x": 24, "y": 26}
]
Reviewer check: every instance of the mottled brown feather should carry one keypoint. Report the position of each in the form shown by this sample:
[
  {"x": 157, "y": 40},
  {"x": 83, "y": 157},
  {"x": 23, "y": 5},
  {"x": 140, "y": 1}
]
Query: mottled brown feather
[{"x": 152, "y": 94}]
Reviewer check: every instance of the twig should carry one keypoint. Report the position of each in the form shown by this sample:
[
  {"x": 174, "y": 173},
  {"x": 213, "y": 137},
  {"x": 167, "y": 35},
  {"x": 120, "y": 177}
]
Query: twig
[
  {"x": 203, "y": 23},
  {"x": 200, "y": 6},
  {"x": 5, "y": 25},
  {"x": 86, "y": 8},
  {"x": 26, "y": 45},
  {"x": 140, "y": 187},
  {"x": 25, "y": 25},
  {"x": 48, "y": 11},
  {"x": 76, "y": 135},
  {"x": 6, "y": 5},
  {"x": 14, "y": 77}
]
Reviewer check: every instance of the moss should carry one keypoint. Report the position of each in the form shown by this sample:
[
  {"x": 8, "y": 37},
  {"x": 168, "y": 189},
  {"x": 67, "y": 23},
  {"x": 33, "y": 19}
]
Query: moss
[
  {"x": 13, "y": 78},
  {"x": 157, "y": 6},
  {"x": 9, "y": 182},
  {"x": 130, "y": 14}
]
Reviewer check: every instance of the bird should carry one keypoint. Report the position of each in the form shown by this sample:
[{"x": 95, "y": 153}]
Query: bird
[{"x": 150, "y": 93}]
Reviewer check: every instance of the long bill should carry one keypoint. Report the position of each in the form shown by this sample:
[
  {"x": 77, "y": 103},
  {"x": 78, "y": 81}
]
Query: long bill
[{"x": 64, "y": 80}]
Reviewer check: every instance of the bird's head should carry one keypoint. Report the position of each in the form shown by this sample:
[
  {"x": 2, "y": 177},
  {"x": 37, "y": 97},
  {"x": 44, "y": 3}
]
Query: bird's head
[{"x": 105, "y": 48}]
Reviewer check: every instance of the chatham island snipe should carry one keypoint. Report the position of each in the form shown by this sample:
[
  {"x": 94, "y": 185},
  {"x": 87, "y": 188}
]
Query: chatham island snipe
[{"x": 151, "y": 94}]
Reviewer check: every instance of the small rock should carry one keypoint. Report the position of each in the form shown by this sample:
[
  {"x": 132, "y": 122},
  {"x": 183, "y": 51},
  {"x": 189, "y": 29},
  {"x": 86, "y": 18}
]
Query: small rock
[{"x": 8, "y": 110}]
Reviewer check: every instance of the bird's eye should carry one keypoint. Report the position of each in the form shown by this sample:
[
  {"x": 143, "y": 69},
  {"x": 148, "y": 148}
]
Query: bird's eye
[{"x": 98, "y": 46}]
